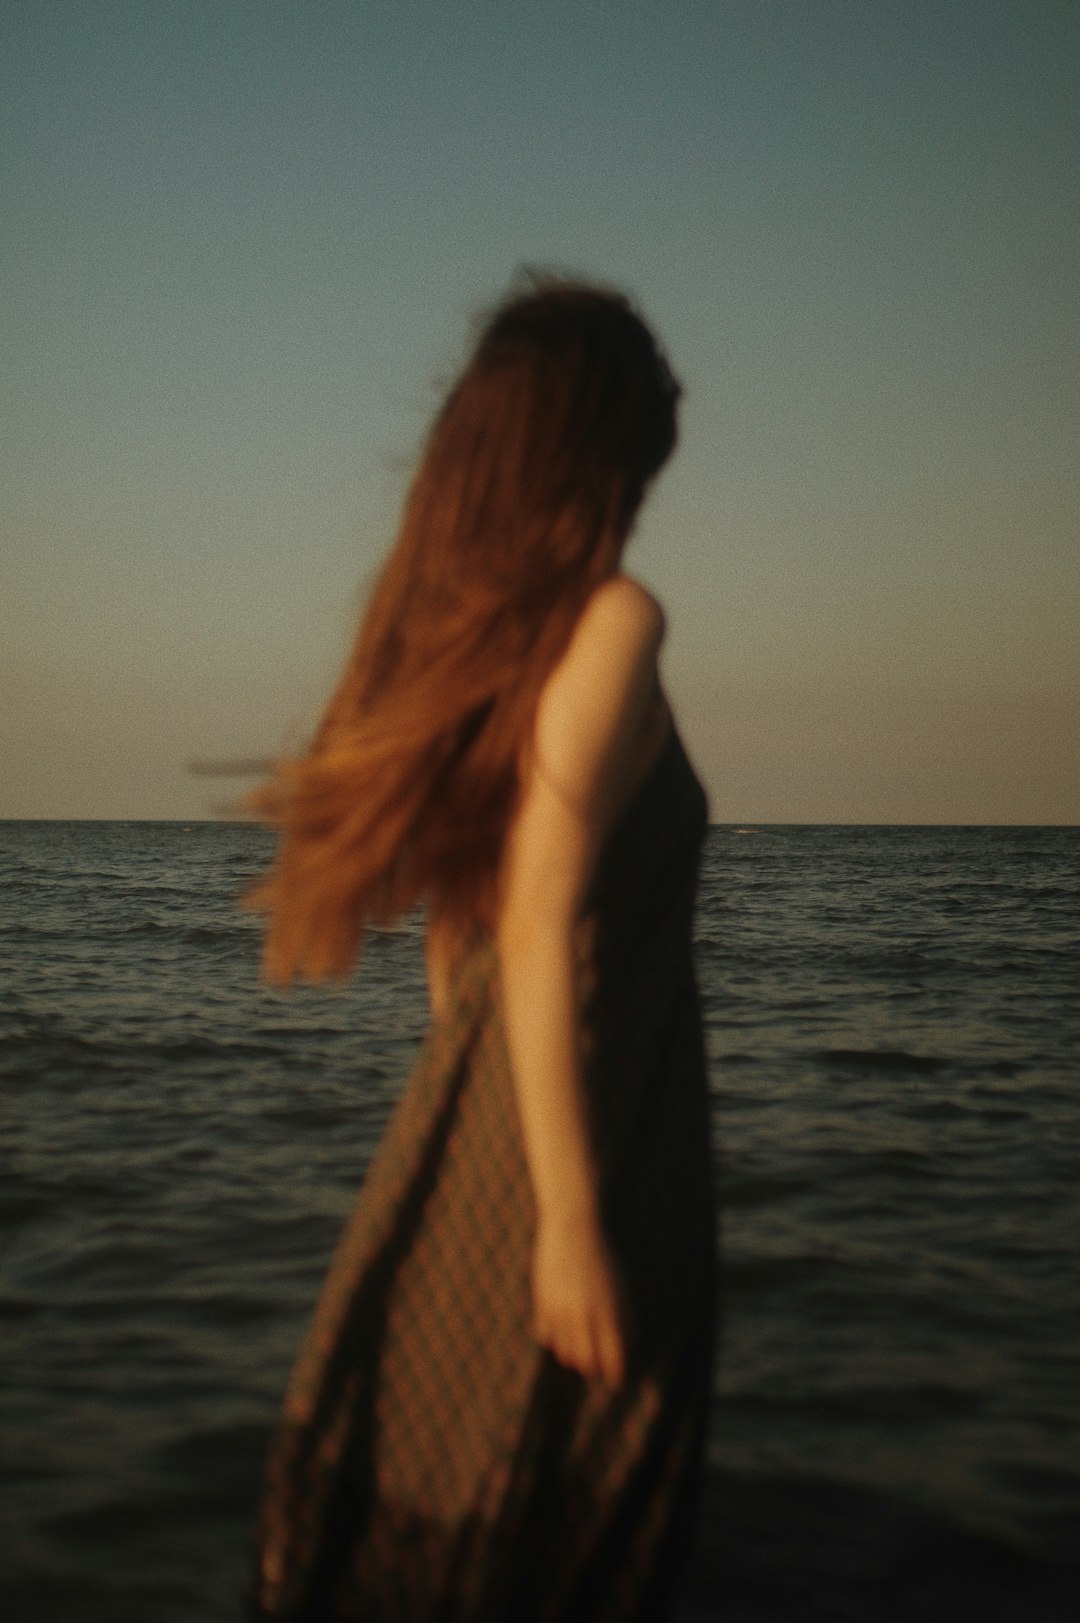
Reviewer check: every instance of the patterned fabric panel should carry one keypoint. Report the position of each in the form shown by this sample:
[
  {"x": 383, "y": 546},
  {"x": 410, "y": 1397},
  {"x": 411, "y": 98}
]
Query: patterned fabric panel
[{"x": 433, "y": 1462}]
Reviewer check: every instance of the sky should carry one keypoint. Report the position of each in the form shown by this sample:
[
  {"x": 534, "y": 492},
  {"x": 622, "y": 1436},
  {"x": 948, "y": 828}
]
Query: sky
[{"x": 244, "y": 245}]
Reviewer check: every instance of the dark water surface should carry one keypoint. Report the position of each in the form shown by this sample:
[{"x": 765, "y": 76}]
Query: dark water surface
[{"x": 893, "y": 1022}]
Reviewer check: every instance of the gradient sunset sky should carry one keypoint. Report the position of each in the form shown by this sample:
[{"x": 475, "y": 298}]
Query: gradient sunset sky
[{"x": 242, "y": 246}]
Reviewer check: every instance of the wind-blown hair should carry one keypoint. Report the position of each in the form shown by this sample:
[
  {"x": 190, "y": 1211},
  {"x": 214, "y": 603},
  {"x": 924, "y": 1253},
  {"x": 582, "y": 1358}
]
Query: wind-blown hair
[{"x": 521, "y": 504}]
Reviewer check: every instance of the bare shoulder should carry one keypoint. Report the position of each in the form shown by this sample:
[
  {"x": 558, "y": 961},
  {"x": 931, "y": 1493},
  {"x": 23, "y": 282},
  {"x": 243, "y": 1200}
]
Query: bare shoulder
[
  {"x": 618, "y": 633},
  {"x": 620, "y": 628},
  {"x": 596, "y": 701},
  {"x": 622, "y": 608}
]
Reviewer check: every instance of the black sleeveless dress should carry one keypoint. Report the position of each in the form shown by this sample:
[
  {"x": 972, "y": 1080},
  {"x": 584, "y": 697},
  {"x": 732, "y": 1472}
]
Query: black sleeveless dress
[{"x": 433, "y": 1462}]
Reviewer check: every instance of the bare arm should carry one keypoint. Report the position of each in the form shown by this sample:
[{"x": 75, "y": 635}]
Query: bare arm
[{"x": 590, "y": 730}]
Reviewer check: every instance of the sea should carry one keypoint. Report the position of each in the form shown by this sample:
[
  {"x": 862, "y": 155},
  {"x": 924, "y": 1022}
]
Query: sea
[{"x": 893, "y": 1029}]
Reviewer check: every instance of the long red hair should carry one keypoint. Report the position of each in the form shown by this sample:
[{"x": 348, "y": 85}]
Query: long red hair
[{"x": 521, "y": 504}]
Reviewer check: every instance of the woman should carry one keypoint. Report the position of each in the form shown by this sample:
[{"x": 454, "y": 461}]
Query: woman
[{"x": 498, "y": 1411}]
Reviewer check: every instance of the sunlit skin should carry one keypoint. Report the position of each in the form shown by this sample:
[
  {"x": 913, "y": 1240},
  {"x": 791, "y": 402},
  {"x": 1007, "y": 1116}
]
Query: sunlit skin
[{"x": 599, "y": 724}]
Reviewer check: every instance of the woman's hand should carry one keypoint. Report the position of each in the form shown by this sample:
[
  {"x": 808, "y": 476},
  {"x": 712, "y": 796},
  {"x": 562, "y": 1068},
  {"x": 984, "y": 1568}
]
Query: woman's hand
[{"x": 578, "y": 1298}]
